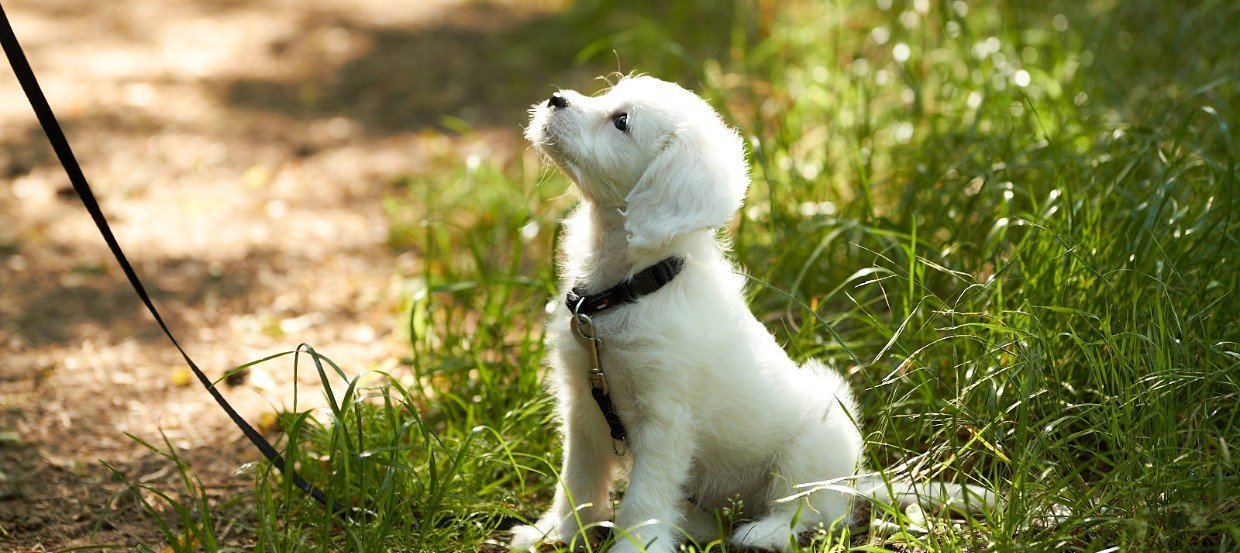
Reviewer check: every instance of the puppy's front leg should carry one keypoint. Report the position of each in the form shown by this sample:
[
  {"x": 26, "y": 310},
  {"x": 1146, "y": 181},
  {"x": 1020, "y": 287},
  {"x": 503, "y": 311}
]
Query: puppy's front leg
[
  {"x": 663, "y": 448},
  {"x": 581, "y": 495}
]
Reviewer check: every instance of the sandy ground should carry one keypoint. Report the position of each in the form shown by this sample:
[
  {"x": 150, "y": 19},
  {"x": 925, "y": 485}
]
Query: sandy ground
[{"x": 241, "y": 150}]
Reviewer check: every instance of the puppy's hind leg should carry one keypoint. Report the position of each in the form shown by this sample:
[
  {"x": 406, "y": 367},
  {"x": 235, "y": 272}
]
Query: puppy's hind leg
[
  {"x": 823, "y": 452},
  {"x": 784, "y": 522},
  {"x": 777, "y": 531}
]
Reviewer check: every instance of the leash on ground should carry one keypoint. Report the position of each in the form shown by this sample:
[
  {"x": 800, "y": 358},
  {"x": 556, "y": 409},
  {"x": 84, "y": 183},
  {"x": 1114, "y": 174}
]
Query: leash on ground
[{"x": 21, "y": 68}]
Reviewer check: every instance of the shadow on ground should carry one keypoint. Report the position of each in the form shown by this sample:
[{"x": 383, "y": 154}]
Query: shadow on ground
[{"x": 481, "y": 68}]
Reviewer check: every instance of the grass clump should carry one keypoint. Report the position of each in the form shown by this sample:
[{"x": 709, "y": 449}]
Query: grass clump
[{"x": 1013, "y": 226}]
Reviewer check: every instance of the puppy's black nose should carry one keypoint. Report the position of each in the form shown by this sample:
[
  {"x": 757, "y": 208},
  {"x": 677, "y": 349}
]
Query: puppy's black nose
[{"x": 557, "y": 100}]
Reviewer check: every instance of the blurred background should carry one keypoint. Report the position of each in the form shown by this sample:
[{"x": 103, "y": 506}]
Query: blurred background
[
  {"x": 350, "y": 174},
  {"x": 246, "y": 153}
]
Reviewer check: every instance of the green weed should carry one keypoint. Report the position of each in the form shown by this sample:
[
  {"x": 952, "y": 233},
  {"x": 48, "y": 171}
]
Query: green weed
[{"x": 1013, "y": 226}]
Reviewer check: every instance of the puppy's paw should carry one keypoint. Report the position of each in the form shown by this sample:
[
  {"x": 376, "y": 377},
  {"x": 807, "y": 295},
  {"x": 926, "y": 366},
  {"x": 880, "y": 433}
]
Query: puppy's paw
[
  {"x": 623, "y": 547},
  {"x": 765, "y": 534},
  {"x": 527, "y": 537},
  {"x": 627, "y": 547},
  {"x": 663, "y": 544}
]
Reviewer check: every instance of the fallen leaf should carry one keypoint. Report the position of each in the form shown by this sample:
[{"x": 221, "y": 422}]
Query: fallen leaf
[{"x": 181, "y": 377}]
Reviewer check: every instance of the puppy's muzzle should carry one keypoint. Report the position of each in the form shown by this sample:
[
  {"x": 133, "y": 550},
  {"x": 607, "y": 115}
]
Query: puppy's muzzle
[{"x": 557, "y": 101}]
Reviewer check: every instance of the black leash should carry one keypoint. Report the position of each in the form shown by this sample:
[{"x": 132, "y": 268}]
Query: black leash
[{"x": 21, "y": 68}]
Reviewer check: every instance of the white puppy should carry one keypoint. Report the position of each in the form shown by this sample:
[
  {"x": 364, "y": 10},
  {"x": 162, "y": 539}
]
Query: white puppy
[{"x": 713, "y": 408}]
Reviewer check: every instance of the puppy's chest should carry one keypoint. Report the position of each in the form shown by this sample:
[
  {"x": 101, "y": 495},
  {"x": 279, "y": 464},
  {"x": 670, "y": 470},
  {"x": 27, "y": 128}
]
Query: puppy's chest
[{"x": 628, "y": 355}]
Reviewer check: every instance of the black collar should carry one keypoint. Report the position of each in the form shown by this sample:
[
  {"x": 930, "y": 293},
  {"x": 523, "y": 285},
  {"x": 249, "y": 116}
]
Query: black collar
[{"x": 644, "y": 282}]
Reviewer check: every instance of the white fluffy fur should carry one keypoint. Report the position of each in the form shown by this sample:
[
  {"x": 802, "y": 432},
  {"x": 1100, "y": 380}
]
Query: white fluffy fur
[{"x": 715, "y": 409}]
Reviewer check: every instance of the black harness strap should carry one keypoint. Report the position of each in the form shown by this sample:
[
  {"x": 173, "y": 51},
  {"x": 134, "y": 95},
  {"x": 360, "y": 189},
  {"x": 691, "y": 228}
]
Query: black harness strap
[
  {"x": 21, "y": 68},
  {"x": 581, "y": 304}
]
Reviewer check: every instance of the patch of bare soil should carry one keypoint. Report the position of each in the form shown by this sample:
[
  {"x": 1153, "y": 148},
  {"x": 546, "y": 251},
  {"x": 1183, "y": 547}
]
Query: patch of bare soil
[{"x": 241, "y": 150}]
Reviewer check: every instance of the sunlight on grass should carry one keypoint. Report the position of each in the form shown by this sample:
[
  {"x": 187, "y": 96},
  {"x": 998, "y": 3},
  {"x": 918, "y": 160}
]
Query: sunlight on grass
[{"x": 1011, "y": 225}]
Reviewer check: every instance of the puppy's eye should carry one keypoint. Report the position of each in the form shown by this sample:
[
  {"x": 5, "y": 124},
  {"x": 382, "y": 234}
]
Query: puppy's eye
[{"x": 621, "y": 121}]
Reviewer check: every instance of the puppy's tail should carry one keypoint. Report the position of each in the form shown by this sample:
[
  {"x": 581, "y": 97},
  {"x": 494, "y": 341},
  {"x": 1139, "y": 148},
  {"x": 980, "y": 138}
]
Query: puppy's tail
[{"x": 929, "y": 495}]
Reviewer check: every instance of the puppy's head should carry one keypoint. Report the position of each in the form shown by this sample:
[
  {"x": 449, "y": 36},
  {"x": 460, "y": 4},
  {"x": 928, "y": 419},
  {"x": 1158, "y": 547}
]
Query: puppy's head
[{"x": 650, "y": 148}]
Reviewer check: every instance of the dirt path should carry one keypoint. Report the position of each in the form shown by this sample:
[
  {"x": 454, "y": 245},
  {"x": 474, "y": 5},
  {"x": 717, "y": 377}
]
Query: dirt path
[{"x": 241, "y": 149}]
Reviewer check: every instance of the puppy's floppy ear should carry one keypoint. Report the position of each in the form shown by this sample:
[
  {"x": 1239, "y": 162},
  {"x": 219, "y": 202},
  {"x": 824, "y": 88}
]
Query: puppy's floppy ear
[{"x": 697, "y": 182}]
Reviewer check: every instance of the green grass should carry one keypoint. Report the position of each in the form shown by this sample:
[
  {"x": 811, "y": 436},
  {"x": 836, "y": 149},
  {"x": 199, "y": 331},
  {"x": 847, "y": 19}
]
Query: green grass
[{"x": 1018, "y": 240}]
